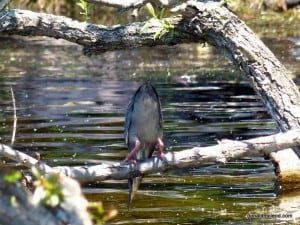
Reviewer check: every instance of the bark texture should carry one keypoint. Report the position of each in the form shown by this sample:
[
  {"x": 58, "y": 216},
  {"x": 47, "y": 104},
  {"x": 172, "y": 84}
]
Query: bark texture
[
  {"x": 95, "y": 39},
  {"x": 225, "y": 151}
]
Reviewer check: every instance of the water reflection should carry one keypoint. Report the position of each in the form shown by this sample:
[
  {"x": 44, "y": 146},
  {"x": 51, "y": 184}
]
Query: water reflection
[{"x": 71, "y": 110}]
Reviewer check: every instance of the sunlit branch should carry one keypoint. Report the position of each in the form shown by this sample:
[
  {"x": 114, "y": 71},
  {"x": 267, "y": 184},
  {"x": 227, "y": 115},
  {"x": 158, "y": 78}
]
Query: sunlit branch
[
  {"x": 24, "y": 159},
  {"x": 223, "y": 152}
]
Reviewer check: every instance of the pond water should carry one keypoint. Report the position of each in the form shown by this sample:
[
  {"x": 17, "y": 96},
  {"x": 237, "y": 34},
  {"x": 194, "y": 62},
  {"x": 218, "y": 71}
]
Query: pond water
[{"x": 71, "y": 111}]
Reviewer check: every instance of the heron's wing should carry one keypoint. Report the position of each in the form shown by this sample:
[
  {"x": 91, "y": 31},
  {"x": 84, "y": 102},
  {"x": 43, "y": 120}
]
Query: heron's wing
[
  {"x": 160, "y": 114},
  {"x": 128, "y": 121},
  {"x": 159, "y": 107}
]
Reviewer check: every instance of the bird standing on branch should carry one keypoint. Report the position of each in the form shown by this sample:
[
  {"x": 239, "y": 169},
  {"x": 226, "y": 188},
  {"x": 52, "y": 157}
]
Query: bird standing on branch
[{"x": 143, "y": 130}]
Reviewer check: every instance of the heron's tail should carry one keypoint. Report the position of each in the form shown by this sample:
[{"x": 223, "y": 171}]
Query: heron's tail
[{"x": 134, "y": 184}]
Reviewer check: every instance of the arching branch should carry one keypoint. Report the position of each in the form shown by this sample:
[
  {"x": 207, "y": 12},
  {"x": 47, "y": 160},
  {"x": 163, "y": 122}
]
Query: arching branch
[{"x": 95, "y": 39}]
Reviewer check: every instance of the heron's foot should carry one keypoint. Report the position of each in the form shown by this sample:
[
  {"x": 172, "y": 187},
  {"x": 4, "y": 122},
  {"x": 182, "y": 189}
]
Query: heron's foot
[
  {"x": 132, "y": 154},
  {"x": 162, "y": 156},
  {"x": 130, "y": 160},
  {"x": 161, "y": 147}
]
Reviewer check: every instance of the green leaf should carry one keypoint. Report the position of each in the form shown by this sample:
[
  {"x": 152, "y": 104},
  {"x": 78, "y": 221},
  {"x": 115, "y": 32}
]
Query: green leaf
[
  {"x": 80, "y": 4},
  {"x": 85, "y": 8},
  {"x": 100, "y": 209},
  {"x": 158, "y": 33},
  {"x": 151, "y": 10},
  {"x": 53, "y": 200},
  {"x": 145, "y": 27},
  {"x": 36, "y": 173},
  {"x": 13, "y": 201},
  {"x": 162, "y": 12},
  {"x": 13, "y": 177}
]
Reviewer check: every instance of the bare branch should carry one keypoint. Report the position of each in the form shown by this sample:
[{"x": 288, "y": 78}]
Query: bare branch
[
  {"x": 221, "y": 153},
  {"x": 24, "y": 159},
  {"x": 95, "y": 39}
]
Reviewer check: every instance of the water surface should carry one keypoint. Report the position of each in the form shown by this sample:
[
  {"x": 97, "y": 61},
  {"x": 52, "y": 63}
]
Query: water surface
[{"x": 71, "y": 110}]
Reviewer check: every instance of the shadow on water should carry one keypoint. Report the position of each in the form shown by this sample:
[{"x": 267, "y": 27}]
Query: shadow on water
[{"x": 71, "y": 110}]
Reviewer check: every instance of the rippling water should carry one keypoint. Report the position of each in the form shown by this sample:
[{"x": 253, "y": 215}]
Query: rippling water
[{"x": 71, "y": 110}]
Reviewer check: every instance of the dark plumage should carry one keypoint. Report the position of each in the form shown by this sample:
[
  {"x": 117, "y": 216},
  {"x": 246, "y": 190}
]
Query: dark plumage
[{"x": 143, "y": 129}]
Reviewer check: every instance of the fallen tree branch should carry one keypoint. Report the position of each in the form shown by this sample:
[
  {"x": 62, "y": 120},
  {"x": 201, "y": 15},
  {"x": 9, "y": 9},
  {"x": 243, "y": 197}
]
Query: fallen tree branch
[
  {"x": 223, "y": 152},
  {"x": 95, "y": 39}
]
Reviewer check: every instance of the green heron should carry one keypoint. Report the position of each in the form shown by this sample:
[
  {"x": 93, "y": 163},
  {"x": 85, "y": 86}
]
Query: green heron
[{"x": 143, "y": 130}]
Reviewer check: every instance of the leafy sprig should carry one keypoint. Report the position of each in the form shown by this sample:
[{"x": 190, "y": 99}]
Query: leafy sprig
[
  {"x": 85, "y": 8},
  {"x": 157, "y": 19}
]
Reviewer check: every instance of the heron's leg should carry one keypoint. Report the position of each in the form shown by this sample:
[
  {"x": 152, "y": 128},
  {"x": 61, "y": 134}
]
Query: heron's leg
[
  {"x": 131, "y": 155},
  {"x": 161, "y": 147}
]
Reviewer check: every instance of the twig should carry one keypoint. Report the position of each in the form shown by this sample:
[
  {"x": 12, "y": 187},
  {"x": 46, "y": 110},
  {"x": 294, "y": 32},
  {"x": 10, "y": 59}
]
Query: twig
[
  {"x": 15, "y": 117},
  {"x": 24, "y": 159}
]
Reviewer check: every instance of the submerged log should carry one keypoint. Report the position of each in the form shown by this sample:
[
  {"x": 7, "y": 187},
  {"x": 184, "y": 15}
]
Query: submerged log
[{"x": 200, "y": 21}]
